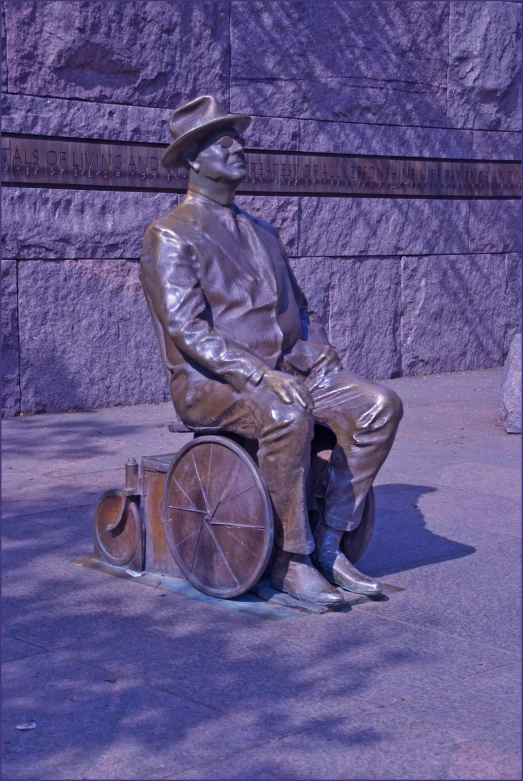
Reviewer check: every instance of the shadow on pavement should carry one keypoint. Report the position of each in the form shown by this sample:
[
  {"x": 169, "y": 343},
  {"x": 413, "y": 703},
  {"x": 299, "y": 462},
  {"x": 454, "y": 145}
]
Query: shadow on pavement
[{"x": 401, "y": 539}]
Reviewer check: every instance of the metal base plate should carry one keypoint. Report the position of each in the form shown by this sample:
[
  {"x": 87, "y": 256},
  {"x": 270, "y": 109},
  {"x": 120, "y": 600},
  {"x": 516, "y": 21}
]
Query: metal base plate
[{"x": 262, "y": 601}]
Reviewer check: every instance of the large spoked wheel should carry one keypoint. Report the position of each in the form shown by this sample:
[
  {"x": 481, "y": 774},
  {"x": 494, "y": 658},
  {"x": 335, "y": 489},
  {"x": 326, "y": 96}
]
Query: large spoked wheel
[
  {"x": 354, "y": 544},
  {"x": 217, "y": 516}
]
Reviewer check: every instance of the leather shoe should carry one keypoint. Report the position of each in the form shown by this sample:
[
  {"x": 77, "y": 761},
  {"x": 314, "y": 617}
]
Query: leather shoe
[
  {"x": 295, "y": 574},
  {"x": 336, "y": 567}
]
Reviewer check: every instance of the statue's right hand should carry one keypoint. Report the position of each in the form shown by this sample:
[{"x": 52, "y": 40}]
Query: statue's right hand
[{"x": 289, "y": 389}]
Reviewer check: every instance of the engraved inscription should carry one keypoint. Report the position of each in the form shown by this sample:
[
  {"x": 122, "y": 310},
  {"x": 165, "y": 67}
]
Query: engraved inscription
[{"x": 69, "y": 163}]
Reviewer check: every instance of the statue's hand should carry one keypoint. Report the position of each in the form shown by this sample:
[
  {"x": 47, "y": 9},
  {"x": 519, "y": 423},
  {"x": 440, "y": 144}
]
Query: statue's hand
[
  {"x": 327, "y": 359},
  {"x": 289, "y": 389}
]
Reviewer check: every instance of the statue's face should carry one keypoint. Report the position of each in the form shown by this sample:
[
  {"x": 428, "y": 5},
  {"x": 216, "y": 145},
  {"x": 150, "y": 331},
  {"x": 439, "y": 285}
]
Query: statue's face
[{"x": 221, "y": 157}]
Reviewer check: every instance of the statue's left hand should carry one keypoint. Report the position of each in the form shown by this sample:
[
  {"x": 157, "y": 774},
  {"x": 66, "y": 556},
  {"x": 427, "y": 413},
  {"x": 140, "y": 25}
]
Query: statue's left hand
[{"x": 327, "y": 360}]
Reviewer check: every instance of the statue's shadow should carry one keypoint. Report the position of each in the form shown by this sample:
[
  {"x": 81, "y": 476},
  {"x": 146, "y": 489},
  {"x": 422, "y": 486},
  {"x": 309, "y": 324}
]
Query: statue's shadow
[{"x": 401, "y": 539}]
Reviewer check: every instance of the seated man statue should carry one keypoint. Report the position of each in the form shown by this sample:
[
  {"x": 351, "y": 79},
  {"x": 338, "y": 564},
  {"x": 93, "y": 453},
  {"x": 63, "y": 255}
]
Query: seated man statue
[{"x": 246, "y": 355}]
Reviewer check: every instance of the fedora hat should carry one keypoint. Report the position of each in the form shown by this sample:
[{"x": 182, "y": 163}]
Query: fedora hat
[{"x": 196, "y": 120}]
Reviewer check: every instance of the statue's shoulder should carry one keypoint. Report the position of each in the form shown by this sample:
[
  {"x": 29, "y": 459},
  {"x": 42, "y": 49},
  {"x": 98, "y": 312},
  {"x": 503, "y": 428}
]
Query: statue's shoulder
[{"x": 176, "y": 223}]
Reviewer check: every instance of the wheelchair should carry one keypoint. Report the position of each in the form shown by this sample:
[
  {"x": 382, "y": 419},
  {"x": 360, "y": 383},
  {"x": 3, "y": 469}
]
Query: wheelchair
[{"x": 204, "y": 513}]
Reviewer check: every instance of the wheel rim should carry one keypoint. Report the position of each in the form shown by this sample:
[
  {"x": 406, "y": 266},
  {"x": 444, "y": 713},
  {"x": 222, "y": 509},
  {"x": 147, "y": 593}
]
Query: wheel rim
[
  {"x": 117, "y": 527},
  {"x": 217, "y": 516}
]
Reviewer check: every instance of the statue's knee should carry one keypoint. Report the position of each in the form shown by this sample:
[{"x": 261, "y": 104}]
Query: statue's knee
[
  {"x": 392, "y": 404},
  {"x": 292, "y": 419}
]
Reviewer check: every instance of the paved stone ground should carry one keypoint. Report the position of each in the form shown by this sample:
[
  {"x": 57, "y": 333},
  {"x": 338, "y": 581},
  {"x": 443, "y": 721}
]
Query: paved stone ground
[{"x": 130, "y": 682}]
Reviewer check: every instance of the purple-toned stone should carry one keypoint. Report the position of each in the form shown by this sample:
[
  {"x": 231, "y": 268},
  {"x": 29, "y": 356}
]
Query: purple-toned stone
[
  {"x": 144, "y": 53},
  {"x": 3, "y": 51},
  {"x": 113, "y": 122},
  {"x": 382, "y": 226},
  {"x": 314, "y": 278},
  {"x": 453, "y": 313},
  {"x": 280, "y": 211},
  {"x": 10, "y": 345},
  {"x": 86, "y": 337},
  {"x": 390, "y": 69},
  {"x": 272, "y": 133},
  {"x": 364, "y": 320},
  {"x": 510, "y": 399},
  {"x": 513, "y": 297},
  {"x": 496, "y": 145},
  {"x": 84, "y": 119},
  {"x": 484, "y": 65},
  {"x": 495, "y": 226},
  {"x": 357, "y": 139},
  {"x": 45, "y": 223}
]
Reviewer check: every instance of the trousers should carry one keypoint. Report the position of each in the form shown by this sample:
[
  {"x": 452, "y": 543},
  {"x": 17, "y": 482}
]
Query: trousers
[{"x": 363, "y": 415}]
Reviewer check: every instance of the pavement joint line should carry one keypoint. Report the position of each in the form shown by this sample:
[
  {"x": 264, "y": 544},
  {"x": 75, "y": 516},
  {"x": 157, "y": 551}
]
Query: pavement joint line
[
  {"x": 361, "y": 608},
  {"x": 58, "y": 475},
  {"x": 371, "y": 708},
  {"x": 246, "y": 749},
  {"x": 144, "y": 682},
  {"x": 439, "y": 688},
  {"x": 24, "y": 656},
  {"x": 53, "y": 510},
  {"x": 364, "y": 706}
]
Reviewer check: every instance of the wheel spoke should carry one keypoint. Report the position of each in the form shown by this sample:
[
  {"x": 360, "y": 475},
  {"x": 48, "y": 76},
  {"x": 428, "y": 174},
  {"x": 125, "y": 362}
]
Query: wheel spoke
[
  {"x": 244, "y": 545},
  {"x": 187, "y": 509},
  {"x": 237, "y": 525},
  {"x": 230, "y": 498},
  {"x": 225, "y": 482},
  {"x": 197, "y": 543},
  {"x": 231, "y": 573},
  {"x": 186, "y": 538},
  {"x": 209, "y": 471},
  {"x": 200, "y": 481},
  {"x": 183, "y": 492}
]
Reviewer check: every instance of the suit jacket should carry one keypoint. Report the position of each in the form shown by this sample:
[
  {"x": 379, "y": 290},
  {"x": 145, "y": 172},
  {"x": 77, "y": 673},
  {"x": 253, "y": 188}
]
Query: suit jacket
[{"x": 225, "y": 303}]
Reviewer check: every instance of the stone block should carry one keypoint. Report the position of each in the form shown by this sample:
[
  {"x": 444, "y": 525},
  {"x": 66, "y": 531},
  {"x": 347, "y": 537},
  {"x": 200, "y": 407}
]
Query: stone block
[
  {"x": 3, "y": 51},
  {"x": 513, "y": 297},
  {"x": 113, "y": 122},
  {"x": 382, "y": 226},
  {"x": 364, "y": 316},
  {"x": 355, "y": 139},
  {"x": 273, "y": 133},
  {"x": 144, "y": 53},
  {"x": 510, "y": 400},
  {"x": 453, "y": 313},
  {"x": 496, "y": 145},
  {"x": 84, "y": 119},
  {"x": 484, "y": 77},
  {"x": 86, "y": 337},
  {"x": 392, "y": 70},
  {"x": 280, "y": 211},
  {"x": 10, "y": 344},
  {"x": 314, "y": 278},
  {"x": 45, "y": 223},
  {"x": 495, "y": 226}
]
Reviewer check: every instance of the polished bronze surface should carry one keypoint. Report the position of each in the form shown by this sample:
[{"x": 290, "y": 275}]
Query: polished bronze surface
[
  {"x": 217, "y": 517},
  {"x": 118, "y": 532},
  {"x": 158, "y": 556},
  {"x": 34, "y": 161},
  {"x": 195, "y": 120},
  {"x": 295, "y": 574},
  {"x": 248, "y": 357},
  {"x": 336, "y": 567}
]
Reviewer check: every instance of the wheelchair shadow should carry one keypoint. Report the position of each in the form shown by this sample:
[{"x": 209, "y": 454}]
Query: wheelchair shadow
[{"x": 401, "y": 539}]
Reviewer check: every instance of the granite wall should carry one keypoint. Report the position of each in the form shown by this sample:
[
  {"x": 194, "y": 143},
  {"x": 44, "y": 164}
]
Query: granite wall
[{"x": 404, "y": 286}]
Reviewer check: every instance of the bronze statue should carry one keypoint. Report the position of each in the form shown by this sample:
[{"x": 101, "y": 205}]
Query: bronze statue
[{"x": 246, "y": 355}]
